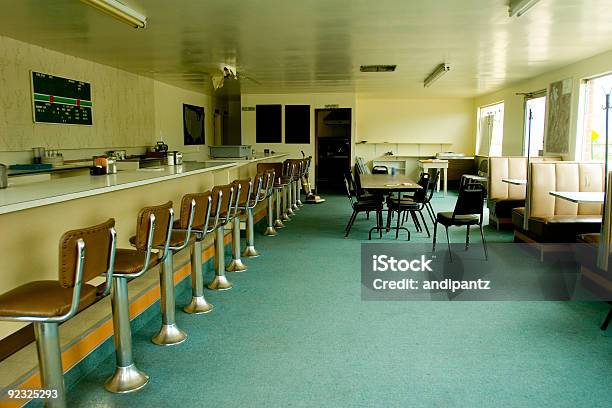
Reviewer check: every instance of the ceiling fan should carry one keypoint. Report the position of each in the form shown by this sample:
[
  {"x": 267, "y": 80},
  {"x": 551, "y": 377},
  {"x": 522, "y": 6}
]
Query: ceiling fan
[{"x": 228, "y": 72}]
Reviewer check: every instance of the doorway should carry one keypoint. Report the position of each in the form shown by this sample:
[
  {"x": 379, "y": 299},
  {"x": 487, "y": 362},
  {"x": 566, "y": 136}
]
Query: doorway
[{"x": 332, "y": 147}]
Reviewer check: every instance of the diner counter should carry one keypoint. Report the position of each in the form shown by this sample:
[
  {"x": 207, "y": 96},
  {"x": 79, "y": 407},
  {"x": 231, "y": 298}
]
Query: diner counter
[{"x": 29, "y": 195}]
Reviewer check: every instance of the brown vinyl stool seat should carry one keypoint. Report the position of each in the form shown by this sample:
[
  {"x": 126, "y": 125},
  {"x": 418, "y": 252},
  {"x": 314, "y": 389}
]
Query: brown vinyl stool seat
[
  {"x": 128, "y": 261},
  {"x": 176, "y": 239},
  {"x": 44, "y": 299},
  {"x": 84, "y": 254}
]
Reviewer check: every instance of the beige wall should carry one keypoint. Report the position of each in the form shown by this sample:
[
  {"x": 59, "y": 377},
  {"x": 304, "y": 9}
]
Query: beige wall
[
  {"x": 513, "y": 109},
  {"x": 316, "y": 101},
  {"x": 130, "y": 111}
]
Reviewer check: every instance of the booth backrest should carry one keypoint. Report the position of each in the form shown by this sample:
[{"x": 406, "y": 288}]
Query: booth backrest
[
  {"x": 510, "y": 167},
  {"x": 563, "y": 176}
]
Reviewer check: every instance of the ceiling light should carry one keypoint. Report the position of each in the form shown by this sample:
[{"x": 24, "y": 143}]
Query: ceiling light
[
  {"x": 377, "y": 68},
  {"x": 519, "y": 7},
  {"x": 437, "y": 73},
  {"x": 119, "y": 11}
]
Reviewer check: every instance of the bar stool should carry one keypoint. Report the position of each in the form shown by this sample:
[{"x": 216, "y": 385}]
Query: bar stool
[
  {"x": 84, "y": 254},
  {"x": 130, "y": 264},
  {"x": 200, "y": 228},
  {"x": 278, "y": 186},
  {"x": 245, "y": 189},
  {"x": 169, "y": 334},
  {"x": 269, "y": 192},
  {"x": 293, "y": 170},
  {"x": 301, "y": 175},
  {"x": 224, "y": 204},
  {"x": 288, "y": 174},
  {"x": 254, "y": 198}
]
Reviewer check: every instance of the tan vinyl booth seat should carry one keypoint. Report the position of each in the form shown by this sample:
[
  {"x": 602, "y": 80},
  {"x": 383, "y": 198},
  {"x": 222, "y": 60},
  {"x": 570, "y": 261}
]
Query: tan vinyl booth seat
[
  {"x": 553, "y": 219},
  {"x": 504, "y": 197}
]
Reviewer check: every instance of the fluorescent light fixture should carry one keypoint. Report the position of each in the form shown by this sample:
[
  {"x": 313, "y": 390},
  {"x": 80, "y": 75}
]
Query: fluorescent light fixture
[
  {"x": 437, "y": 73},
  {"x": 119, "y": 11},
  {"x": 519, "y": 7}
]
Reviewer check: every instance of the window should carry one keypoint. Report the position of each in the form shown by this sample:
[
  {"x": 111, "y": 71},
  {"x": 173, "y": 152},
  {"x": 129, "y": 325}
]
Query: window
[
  {"x": 594, "y": 120},
  {"x": 268, "y": 124},
  {"x": 536, "y": 106},
  {"x": 297, "y": 124},
  {"x": 490, "y": 130}
]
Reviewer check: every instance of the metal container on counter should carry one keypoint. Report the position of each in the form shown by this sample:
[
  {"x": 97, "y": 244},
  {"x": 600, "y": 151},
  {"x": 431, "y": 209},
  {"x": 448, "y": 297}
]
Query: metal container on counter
[
  {"x": 175, "y": 158},
  {"x": 236, "y": 151}
]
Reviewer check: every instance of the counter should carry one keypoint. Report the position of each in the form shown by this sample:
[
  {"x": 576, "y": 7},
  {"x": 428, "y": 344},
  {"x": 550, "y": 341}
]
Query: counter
[
  {"x": 29, "y": 195},
  {"x": 34, "y": 216}
]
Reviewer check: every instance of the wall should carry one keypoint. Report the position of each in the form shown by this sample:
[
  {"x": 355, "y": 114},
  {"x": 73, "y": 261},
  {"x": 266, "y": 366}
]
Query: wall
[
  {"x": 513, "y": 109},
  {"x": 169, "y": 102},
  {"x": 449, "y": 121},
  {"x": 129, "y": 110},
  {"x": 316, "y": 101}
]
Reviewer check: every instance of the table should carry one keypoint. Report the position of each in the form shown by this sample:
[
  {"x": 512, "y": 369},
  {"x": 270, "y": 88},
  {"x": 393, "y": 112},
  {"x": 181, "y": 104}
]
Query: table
[
  {"x": 437, "y": 164},
  {"x": 516, "y": 182},
  {"x": 385, "y": 184},
  {"x": 580, "y": 197}
]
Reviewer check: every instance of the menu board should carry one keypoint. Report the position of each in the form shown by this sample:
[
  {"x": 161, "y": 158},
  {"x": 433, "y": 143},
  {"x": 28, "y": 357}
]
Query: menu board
[{"x": 60, "y": 100}]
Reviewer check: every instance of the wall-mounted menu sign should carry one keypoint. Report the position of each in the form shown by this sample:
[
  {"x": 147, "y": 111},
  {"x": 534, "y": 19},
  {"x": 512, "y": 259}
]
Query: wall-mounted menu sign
[{"x": 60, "y": 100}]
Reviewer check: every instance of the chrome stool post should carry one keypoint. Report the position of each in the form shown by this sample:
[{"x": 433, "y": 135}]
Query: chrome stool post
[
  {"x": 50, "y": 361},
  {"x": 226, "y": 199},
  {"x": 278, "y": 223},
  {"x": 269, "y": 190},
  {"x": 195, "y": 218},
  {"x": 289, "y": 199},
  {"x": 252, "y": 200},
  {"x": 294, "y": 204},
  {"x": 236, "y": 264},
  {"x": 285, "y": 214}
]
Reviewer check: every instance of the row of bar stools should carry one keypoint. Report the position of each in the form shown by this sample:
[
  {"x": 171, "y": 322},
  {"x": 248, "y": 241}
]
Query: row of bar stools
[
  {"x": 84, "y": 254},
  {"x": 278, "y": 187}
]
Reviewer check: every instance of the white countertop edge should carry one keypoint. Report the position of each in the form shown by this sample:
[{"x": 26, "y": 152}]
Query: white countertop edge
[{"x": 97, "y": 191}]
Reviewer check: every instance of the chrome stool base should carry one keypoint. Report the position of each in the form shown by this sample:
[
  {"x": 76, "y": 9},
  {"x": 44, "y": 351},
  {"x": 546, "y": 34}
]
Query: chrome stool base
[
  {"x": 285, "y": 217},
  {"x": 250, "y": 252},
  {"x": 278, "y": 224},
  {"x": 169, "y": 335},
  {"x": 289, "y": 212},
  {"x": 220, "y": 282},
  {"x": 236, "y": 265},
  {"x": 198, "y": 305},
  {"x": 270, "y": 232},
  {"x": 126, "y": 379}
]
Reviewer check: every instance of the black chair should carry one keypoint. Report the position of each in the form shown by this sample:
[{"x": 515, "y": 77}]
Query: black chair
[
  {"x": 468, "y": 211},
  {"x": 408, "y": 205},
  {"x": 380, "y": 170},
  {"x": 358, "y": 206}
]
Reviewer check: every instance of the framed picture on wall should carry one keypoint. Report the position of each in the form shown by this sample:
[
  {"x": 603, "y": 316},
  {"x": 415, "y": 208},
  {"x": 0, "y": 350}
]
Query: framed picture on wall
[
  {"x": 559, "y": 111},
  {"x": 297, "y": 124},
  {"x": 268, "y": 124},
  {"x": 193, "y": 125}
]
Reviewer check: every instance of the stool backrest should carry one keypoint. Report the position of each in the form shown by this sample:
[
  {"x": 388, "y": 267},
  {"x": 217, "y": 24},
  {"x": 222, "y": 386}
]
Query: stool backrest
[
  {"x": 245, "y": 186},
  {"x": 223, "y": 199},
  {"x": 258, "y": 185},
  {"x": 269, "y": 181},
  {"x": 289, "y": 168},
  {"x": 201, "y": 213},
  {"x": 100, "y": 242},
  {"x": 164, "y": 217}
]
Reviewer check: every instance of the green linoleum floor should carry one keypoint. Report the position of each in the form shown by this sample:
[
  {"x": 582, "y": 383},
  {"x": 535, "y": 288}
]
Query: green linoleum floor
[{"x": 294, "y": 332}]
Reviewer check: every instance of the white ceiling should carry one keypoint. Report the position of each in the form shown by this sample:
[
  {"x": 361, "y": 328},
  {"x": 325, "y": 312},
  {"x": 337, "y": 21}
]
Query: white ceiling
[{"x": 318, "y": 45}]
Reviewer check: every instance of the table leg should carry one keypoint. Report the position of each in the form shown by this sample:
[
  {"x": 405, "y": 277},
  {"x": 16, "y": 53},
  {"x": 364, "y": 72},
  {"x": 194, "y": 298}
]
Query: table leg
[{"x": 445, "y": 180}]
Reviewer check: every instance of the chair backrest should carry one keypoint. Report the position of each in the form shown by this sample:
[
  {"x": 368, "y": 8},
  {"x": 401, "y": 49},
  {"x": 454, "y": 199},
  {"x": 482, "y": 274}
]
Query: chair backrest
[
  {"x": 201, "y": 214},
  {"x": 290, "y": 168},
  {"x": 380, "y": 170},
  {"x": 348, "y": 183},
  {"x": 361, "y": 167},
  {"x": 471, "y": 199},
  {"x": 269, "y": 181},
  {"x": 433, "y": 181},
  {"x": 421, "y": 194},
  {"x": 164, "y": 216},
  {"x": 99, "y": 253},
  {"x": 259, "y": 192},
  {"x": 223, "y": 200}
]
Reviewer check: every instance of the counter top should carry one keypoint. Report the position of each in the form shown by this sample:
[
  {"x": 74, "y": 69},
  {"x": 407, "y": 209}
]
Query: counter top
[{"x": 29, "y": 195}]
